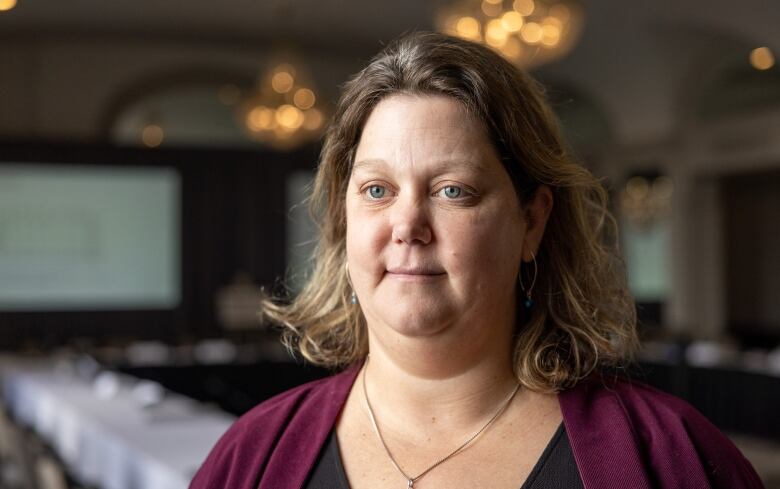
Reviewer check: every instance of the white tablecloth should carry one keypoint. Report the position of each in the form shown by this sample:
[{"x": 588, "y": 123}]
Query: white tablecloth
[{"x": 112, "y": 443}]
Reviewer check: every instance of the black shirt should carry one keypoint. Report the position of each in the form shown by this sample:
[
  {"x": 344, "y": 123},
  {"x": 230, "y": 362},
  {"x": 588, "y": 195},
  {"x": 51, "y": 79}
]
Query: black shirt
[{"x": 555, "y": 469}]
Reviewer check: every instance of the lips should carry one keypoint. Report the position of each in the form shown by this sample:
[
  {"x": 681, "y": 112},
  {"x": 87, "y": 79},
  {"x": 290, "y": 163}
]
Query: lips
[{"x": 415, "y": 270}]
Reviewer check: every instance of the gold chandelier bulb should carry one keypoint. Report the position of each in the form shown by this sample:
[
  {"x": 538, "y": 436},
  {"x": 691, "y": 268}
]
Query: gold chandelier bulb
[{"x": 7, "y": 5}]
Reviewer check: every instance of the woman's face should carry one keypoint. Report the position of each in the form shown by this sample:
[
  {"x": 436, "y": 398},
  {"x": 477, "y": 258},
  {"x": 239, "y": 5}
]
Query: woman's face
[{"x": 434, "y": 228}]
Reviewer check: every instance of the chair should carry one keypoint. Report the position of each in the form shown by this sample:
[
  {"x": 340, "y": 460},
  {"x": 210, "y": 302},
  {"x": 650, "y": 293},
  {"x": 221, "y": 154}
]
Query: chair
[
  {"x": 16, "y": 459},
  {"x": 49, "y": 474}
]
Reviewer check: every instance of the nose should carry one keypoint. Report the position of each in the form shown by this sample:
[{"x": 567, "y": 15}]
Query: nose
[{"x": 410, "y": 221}]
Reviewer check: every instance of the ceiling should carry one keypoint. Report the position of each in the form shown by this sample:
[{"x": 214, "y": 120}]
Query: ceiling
[
  {"x": 637, "y": 59},
  {"x": 350, "y": 23},
  {"x": 335, "y": 23}
]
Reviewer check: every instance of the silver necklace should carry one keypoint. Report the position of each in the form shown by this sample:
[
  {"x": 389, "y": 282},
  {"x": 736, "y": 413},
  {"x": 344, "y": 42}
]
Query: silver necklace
[{"x": 410, "y": 480}]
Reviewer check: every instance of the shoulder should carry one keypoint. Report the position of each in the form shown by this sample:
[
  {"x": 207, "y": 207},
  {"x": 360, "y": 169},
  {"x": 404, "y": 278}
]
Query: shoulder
[
  {"x": 638, "y": 400},
  {"x": 276, "y": 411},
  {"x": 646, "y": 407},
  {"x": 302, "y": 415},
  {"x": 280, "y": 408},
  {"x": 658, "y": 430}
]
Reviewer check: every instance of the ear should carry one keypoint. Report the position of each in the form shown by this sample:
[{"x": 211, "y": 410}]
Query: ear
[{"x": 536, "y": 213}]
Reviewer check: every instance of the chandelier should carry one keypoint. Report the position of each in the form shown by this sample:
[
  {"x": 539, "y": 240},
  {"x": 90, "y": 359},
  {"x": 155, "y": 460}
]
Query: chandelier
[
  {"x": 646, "y": 199},
  {"x": 282, "y": 110},
  {"x": 527, "y": 32}
]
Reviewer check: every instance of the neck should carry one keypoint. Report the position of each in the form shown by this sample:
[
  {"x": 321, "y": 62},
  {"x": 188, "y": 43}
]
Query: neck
[{"x": 436, "y": 390}]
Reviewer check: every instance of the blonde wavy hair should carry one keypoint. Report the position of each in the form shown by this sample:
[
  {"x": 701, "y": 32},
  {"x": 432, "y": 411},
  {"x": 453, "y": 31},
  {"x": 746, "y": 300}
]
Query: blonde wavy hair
[{"x": 583, "y": 317}]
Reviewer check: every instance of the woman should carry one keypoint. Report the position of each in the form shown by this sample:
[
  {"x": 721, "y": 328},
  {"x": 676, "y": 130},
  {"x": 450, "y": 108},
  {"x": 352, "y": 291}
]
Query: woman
[{"x": 475, "y": 261}]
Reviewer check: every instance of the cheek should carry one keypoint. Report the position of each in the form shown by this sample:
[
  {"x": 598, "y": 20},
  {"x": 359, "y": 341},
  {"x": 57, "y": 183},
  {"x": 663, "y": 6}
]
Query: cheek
[
  {"x": 486, "y": 244},
  {"x": 365, "y": 241}
]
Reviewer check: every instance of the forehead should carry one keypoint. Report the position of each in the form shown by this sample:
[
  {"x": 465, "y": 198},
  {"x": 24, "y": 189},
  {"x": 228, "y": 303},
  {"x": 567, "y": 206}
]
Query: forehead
[{"x": 422, "y": 130}]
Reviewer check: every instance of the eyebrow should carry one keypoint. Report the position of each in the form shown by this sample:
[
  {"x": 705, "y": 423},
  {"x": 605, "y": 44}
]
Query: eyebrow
[{"x": 371, "y": 163}]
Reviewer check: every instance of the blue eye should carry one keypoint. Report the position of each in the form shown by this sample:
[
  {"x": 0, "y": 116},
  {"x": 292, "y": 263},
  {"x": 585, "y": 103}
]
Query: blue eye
[
  {"x": 452, "y": 192},
  {"x": 376, "y": 191}
]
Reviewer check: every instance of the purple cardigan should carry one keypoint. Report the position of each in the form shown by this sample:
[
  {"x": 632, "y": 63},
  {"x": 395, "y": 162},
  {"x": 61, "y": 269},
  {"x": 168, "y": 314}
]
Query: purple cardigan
[{"x": 624, "y": 435}]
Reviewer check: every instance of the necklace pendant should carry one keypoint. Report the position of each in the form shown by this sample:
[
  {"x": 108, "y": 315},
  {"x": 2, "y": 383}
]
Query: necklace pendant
[{"x": 409, "y": 483}]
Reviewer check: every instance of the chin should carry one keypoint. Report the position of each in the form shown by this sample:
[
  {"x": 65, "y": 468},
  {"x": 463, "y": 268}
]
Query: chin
[{"x": 418, "y": 322}]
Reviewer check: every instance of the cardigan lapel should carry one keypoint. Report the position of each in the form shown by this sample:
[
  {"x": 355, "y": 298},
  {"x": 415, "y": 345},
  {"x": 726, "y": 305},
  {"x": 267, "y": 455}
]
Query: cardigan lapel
[
  {"x": 299, "y": 445},
  {"x": 602, "y": 439}
]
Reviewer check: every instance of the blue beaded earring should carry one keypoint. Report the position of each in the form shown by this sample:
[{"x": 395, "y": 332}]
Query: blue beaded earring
[{"x": 528, "y": 302}]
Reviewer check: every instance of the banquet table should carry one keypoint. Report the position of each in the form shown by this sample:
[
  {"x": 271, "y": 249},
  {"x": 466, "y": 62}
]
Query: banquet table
[{"x": 110, "y": 439}]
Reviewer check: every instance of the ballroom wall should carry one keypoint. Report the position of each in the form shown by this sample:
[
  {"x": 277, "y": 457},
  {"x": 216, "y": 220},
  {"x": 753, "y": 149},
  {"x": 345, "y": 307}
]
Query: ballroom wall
[{"x": 653, "y": 77}]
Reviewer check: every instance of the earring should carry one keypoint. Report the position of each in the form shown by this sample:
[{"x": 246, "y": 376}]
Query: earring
[
  {"x": 353, "y": 298},
  {"x": 528, "y": 303}
]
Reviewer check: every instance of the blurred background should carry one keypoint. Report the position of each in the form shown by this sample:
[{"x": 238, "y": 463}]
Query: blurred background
[{"x": 154, "y": 157}]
